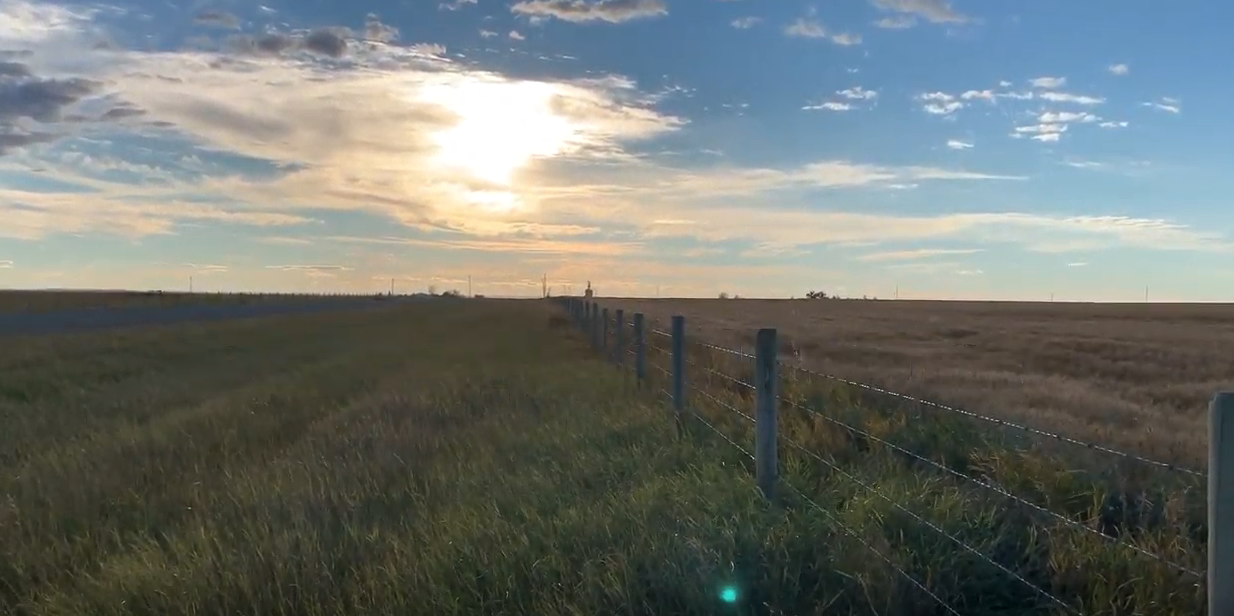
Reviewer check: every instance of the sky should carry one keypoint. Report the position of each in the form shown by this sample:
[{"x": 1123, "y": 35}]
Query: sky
[{"x": 962, "y": 150}]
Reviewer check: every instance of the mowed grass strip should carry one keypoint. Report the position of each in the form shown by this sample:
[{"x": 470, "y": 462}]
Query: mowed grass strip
[{"x": 456, "y": 457}]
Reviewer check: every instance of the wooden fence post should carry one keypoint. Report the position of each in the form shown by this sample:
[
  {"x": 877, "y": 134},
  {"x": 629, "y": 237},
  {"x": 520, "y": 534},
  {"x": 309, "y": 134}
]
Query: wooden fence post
[
  {"x": 604, "y": 327},
  {"x": 678, "y": 365},
  {"x": 640, "y": 350},
  {"x": 595, "y": 326},
  {"x": 619, "y": 353},
  {"x": 1221, "y": 504},
  {"x": 766, "y": 464}
]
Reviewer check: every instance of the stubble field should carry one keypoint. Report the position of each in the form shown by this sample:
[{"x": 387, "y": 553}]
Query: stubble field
[{"x": 1131, "y": 376}]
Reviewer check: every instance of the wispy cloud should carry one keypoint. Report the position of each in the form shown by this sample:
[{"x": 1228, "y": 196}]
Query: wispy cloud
[
  {"x": 1167, "y": 104},
  {"x": 924, "y": 253},
  {"x": 934, "y": 11},
  {"x": 1119, "y": 69},
  {"x": 745, "y": 23},
  {"x": 1048, "y": 82},
  {"x": 895, "y": 22},
  {"x": 939, "y": 103},
  {"x": 581, "y": 11},
  {"x": 1077, "y": 264},
  {"x": 829, "y": 106},
  {"x": 956, "y": 144}
]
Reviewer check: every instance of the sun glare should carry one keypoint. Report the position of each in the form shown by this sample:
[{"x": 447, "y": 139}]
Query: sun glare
[{"x": 501, "y": 127}]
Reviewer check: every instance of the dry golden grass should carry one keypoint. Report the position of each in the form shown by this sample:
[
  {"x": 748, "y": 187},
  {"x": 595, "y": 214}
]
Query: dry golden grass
[{"x": 1135, "y": 377}]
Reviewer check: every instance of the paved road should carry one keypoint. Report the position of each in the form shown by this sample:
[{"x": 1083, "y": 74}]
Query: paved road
[{"x": 64, "y": 321}]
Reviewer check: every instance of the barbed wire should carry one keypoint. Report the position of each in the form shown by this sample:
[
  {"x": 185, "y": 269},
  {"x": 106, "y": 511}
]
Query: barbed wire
[
  {"x": 997, "y": 489},
  {"x": 1001, "y": 422},
  {"x": 723, "y": 404},
  {"x": 722, "y": 435},
  {"x": 928, "y": 524},
  {"x": 733, "y": 380},
  {"x": 851, "y": 533}
]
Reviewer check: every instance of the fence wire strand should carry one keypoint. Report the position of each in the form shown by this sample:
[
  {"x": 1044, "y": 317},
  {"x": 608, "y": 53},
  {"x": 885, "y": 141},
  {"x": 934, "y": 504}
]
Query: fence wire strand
[
  {"x": 722, "y": 435},
  {"x": 851, "y": 533},
  {"x": 712, "y": 371},
  {"x": 724, "y": 404},
  {"x": 998, "y": 490},
  {"x": 1001, "y": 422},
  {"x": 928, "y": 524}
]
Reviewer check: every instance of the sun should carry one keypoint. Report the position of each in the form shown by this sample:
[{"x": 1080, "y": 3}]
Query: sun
[{"x": 501, "y": 127}]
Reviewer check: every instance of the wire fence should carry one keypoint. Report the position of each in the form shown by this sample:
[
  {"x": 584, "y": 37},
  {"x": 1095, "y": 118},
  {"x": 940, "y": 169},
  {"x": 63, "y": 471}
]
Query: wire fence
[{"x": 718, "y": 393}]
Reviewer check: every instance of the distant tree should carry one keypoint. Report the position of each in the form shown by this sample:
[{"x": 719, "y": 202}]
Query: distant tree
[
  {"x": 452, "y": 293},
  {"x": 816, "y": 295},
  {"x": 723, "y": 294},
  {"x": 432, "y": 289}
]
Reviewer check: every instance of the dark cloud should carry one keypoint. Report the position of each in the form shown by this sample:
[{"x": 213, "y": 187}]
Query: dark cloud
[
  {"x": 42, "y": 99},
  {"x": 122, "y": 112},
  {"x": 578, "y": 11},
  {"x": 12, "y": 139},
  {"x": 327, "y": 42},
  {"x": 14, "y": 69},
  {"x": 374, "y": 30},
  {"x": 217, "y": 19}
]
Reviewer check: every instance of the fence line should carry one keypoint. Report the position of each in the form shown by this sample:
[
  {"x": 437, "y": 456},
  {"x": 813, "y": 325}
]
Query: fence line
[{"x": 1220, "y": 476}]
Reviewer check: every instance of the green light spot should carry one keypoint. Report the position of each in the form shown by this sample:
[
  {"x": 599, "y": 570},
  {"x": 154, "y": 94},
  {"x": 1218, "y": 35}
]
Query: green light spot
[{"x": 729, "y": 595}]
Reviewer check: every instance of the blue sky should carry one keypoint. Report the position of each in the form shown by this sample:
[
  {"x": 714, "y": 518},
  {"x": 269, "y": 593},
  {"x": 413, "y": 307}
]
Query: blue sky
[{"x": 998, "y": 149}]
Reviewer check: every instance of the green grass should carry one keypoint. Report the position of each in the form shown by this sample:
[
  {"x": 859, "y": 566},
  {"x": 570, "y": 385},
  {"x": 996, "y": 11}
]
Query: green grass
[{"x": 473, "y": 458}]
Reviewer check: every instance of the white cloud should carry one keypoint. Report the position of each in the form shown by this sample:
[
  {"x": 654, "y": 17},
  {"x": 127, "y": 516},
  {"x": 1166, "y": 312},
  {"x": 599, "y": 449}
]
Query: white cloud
[
  {"x": 1167, "y": 104},
  {"x": 1077, "y": 264},
  {"x": 1047, "y": 137},
  {"x": 1122, "y": 124},
  {"x": 804, "y": 28},
  {"x": 943, "y": 108},
  {"x": 970, "y": 272},
  {"x": 846, "y": 39},
  {"x": 744, "y": 23},
  {"x": 858, "y": 93},
  {"x": 829, "y": 106},
  {"x": 1054, "y": 117},
  {"x": 1063, "y": 97},
  {"x": 939, "y": 103},
  {"x": 582, "y": 11},
  {"x": 934, "y": 11},
  {"x": 487, "y": 33},
  {"x": 454, "y": 5},
  {"x": 956, "y": 144},
  {"x": 1048, "y": 82},
  {"x": 6, "y": 263},
  {"x": 986, "y": 95},
  {"x": 896, "y": 22},
  {"x": 1119, "y": 69},
  {"x": 515, "y": 36}
]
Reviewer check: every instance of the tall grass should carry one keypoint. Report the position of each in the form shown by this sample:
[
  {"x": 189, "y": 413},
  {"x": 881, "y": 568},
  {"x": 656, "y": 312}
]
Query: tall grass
[{"x": 465, "y": 458}]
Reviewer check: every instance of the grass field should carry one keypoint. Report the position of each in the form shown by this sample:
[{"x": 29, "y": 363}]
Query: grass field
[
  {"x": 1131, "y": 376},
  {"x": 472, "y": 457},
  {"x": 49, "y": 301}
]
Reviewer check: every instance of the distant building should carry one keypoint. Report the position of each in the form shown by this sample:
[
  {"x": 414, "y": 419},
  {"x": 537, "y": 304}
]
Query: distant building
[{"x": 589, "y": 293}]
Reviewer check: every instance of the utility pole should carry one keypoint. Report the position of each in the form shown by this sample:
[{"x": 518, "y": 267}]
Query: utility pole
[
  {"x": 897, "y": 291},
  {"x": 544, "y": 286},
  {"x": 469, "y": 285},
  {"x": 190, "y": 284},
  {"x": 1145, "y": 294},
  {"x": 391, "y": 287}
]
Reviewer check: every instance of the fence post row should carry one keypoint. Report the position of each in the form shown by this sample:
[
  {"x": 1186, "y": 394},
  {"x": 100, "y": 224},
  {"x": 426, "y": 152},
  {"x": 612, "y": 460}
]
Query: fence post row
[
  {"x": 1221, "y": 504},
  {"x": 619, "y": 353},
  {"x": 640, "y": 350},
  {"x": 678, "y": 368},
  {"x": 766, "y": 463}
]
